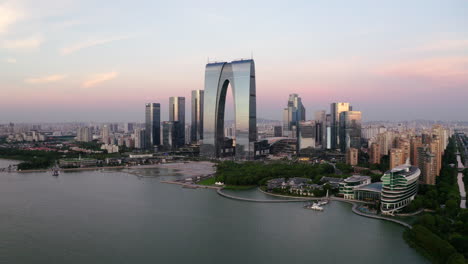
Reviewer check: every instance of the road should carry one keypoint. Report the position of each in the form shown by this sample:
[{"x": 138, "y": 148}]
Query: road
[{"x": 461, "y": 184}]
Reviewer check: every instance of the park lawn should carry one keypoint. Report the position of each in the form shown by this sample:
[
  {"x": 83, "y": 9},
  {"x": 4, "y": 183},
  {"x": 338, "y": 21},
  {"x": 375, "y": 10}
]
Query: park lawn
[{"x": 209, "y": 181}]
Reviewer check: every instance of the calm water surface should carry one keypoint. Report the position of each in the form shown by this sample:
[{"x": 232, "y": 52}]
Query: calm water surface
[{"x": 117, "y": 217}]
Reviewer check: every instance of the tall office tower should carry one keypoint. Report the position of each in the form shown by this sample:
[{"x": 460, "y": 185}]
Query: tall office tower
[
  {"x": 140, "y": 136},
  {"x": 416, "y": 142},
  {"x": 352, "y": 156},
  {"x": 152, "y": 125},
  {"x": 278, "y": 131},
  {"x": 396, "y": 157},
  {"x": 306, "y": 135},
  {"x": 177, "y": 114},
  {"x": 427, "y": 164},
  {"x": 374, "y": 154},
  {"x": 196, "y": 131},
  {"x": 105, "y": 134},
  {"x": 350, "y": 130},
  {"x": 328, "y": 134},
  {"x": 171, "y": 137},
  {"x": 292, "y": 114},
  {"x": 404, "y": 145},
  {"x": 335, "y": 111},
  {"x": 320, "y": 119}
]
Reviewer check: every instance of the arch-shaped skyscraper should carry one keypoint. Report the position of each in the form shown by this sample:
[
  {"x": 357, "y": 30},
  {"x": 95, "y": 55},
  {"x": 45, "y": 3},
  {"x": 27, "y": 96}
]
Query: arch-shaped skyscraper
[{"x": 241, "y": 77}]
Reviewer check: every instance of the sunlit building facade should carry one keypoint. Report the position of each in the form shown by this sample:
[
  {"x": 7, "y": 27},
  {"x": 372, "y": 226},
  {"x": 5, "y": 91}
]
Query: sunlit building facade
[
  {"x": 196, "y": 129},
  {"x": 399, "y": 187},
  {"x": 240, "y": 76},
  {"x": 350, "y": 130}
]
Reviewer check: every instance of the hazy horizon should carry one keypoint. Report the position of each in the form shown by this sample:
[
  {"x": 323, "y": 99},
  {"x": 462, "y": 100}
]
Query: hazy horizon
[{"x": 102, "y": 61}]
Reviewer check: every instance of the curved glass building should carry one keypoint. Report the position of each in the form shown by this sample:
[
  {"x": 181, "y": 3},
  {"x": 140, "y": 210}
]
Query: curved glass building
[
  {"x": 241, "y": 77},
  {"x": 399, "y": 187}
]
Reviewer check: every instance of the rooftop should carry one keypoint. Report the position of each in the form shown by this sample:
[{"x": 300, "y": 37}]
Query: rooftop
[
  {"x": 357, "y": 178},
  {"x": 373, "y": 187}
]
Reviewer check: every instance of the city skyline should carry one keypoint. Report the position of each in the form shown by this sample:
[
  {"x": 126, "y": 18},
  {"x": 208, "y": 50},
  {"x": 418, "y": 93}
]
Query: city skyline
[{"x": 102, "y": 66}]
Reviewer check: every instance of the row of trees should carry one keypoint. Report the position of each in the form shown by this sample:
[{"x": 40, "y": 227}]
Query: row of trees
[
  {"x": 257, "y": 173},
  {"x": 441, "y": 236}
]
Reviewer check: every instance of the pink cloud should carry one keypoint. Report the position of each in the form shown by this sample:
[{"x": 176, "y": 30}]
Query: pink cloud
[{"x": 448, "y": 69}]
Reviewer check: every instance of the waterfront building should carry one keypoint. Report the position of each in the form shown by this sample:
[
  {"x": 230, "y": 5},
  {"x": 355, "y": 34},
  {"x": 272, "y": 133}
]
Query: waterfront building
[
  {"x": 196, "y": 130},
  {"x": 293, "y": 113},
  {"x": 352, "y": 156},
  {"x": 306, "y": 138},
  {"x": 350, "y": 130},
  {"x": 349, "y": 184},
  {"x": 374, "y": 154},
  {"x": 241, "y": 76},
  {"x": 335, "y": 111},
  {"x": 152, "y": 125},
  {"x": 171, "y": 137},
  {"x": 177, "y": 114},
  {"x": 399, "y": 187},
  {"x": 396, "y": 157},
  {"x": 369, "y": 193}
]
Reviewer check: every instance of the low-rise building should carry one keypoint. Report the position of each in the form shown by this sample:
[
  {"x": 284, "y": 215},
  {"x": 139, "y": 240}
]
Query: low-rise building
[{"x": 349, "y": 184}]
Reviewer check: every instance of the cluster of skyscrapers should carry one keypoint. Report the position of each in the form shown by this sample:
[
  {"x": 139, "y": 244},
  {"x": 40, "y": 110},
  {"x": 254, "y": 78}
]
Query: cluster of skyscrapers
[{"x": 340, "y": 129}]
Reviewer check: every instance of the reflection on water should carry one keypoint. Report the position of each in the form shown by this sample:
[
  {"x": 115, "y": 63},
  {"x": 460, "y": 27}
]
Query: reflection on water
[{"x": 115, "y": 217}]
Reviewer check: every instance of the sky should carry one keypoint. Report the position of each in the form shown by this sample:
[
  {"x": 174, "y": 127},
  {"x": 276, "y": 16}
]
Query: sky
[{"x": 70, "y": 60}]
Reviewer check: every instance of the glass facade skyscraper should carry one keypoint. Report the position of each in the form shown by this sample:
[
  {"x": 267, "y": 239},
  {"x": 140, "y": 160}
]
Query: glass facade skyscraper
[
  {"x": 294, "y": 113},
  {"x": 177, "y": 114},
  {"x": 240, "y": 75},
  {"x": 350, "y": 130},
  {"x": 152, "y": 125},
  {"x": 335, "y": 111},
  {"x": 196, "y": 129}
]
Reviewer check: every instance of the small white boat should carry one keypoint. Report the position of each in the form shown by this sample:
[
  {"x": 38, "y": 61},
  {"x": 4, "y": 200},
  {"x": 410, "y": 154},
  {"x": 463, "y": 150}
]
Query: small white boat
[{"x": 315, "y": 206}]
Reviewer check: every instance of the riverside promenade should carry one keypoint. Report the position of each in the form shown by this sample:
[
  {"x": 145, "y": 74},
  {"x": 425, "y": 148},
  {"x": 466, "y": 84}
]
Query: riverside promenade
[{"x": 355, "y": 204}]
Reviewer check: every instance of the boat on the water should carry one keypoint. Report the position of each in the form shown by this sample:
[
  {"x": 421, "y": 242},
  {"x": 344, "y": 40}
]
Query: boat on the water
[{"x": 315, "y": 206}]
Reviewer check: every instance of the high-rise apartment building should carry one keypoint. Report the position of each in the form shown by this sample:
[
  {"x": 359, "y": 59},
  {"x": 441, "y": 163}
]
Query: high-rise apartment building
[
  {"x": 196, "y": 130},
  {"x": 153, "y": 125},
  {"x": 404, "y": 145},
  {"x": 106, "y": 135},
  {"x": 375, "y": 153},
  {"x": 396, "y": 157},
  {"x": 177, "y": 114},
  {"x": 416, "y": 142},
  {"x": 427, "y": 164},
  {"x": 335, "y": 111},
  {"x": 84, "y": 134},
  {"x": 350, "y": 130},
  {"x": 139, "y": 138},
  {"x": 352, "y": 156}
]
